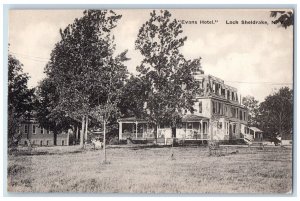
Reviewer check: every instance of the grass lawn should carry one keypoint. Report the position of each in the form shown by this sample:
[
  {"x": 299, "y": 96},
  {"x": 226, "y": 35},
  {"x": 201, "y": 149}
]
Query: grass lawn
[{"x": 133, "y": 169}]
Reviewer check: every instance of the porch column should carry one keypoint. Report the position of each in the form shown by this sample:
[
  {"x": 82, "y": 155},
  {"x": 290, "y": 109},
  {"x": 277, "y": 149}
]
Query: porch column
[
  {"x": 210, "y": 125},
  {"x": 147, "y": 130},
  {"x": 185, "y": 129},
  {"x": 136, "y": 128},
  {"x": 120, "y": 130},
  {"x": 77, "y": 134},
  {"x": 143, "y": 131},
  {"x": 201, "y": 129}
]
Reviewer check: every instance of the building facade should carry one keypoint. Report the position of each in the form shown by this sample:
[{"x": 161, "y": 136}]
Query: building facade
[
  {"x": 219, "y": 115},
  {"x": 35, "y": 135}
]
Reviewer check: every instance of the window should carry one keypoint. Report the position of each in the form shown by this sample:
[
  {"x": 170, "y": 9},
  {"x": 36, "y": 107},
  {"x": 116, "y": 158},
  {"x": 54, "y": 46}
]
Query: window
[
  {"x": 234, "y": 128},
  {"x": 48, "y": 131},
  {"x": 232, "y": 112},
  {"x": 62, "y": 142},
  {"x": 200, "y": 107},
  {"x": 219, "y": 125},
  {"x": 214, "y": 107},
  {"x": 41, "y": 143},
  {"x": 42, "y": 131},
  {"x": 227, "y": 128},
  {"x": 26, "y": 128},
  {"x": 196, "y": 125},
  {"x": 232, "y": 96},
  {"x": 33, "y": 129},
  {"x": 47, "y": 142},
  {"x": 228, "y": 95},
  {"x": 241, "y": 115},
  {"x": 217, "y": 89},
  {"x": 223, "y": 92}
]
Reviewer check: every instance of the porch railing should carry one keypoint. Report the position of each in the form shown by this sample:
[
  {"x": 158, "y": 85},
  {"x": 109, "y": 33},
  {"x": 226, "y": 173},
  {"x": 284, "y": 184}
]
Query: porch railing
[{"x": 194, "y": 136}]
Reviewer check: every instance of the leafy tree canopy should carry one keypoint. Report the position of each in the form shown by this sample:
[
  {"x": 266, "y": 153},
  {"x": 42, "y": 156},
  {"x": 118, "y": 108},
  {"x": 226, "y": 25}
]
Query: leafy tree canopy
[
  {"x": 171, "y": 85},
  {"x": 277, "y": 113},
  {"x": 283, "y": 18},
  {"x": 83, "y": 65},
  {"x": 20, "y": 98},
  {"x": 253, "y": 107}
]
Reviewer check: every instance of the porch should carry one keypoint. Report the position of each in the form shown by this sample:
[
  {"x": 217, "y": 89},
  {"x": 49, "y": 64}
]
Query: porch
[
  {"x": 135, "y": 129},
  {"x": 193, "y": 127},
  {"x": 256, "y": 133}
]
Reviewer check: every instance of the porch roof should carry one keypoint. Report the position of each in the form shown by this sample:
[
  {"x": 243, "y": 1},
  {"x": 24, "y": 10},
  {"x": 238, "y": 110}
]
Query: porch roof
[
  {"x": 132, "y": 120},
  {"x": 255, "y": 129},
  {"x": 186, "y": 118},
  {"x": 193, "y": 117}
]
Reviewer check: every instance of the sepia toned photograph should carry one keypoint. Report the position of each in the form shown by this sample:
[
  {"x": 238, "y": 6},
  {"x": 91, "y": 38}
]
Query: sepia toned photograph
[{"x": 151, "y": 101}]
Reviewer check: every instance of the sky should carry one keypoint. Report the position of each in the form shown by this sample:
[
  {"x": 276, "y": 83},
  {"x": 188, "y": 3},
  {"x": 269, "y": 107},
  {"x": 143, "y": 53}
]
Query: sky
[{"x": 257, "y": 59}]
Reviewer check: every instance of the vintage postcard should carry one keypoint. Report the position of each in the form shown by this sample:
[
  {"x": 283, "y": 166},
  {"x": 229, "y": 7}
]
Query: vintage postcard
[{"x": 151, "y": 101}]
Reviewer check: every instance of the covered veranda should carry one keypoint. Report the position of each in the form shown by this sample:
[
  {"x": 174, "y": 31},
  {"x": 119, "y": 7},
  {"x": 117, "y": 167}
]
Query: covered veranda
[
  {"x": 134, "y": 128},
  {"x": 193, "y": 127},
  {"x": 256, "y": 133}
]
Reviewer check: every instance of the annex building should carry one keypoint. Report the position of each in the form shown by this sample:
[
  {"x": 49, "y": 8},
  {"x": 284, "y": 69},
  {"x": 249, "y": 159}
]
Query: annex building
[{"x": 33, "y": 134}]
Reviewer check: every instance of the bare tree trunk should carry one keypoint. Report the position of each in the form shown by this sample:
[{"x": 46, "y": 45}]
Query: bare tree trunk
[
  {"x": 82, "y": 133},
  {"x": 86, "y": 130},
  {"x": 155, "y": 133},
  {"x": 104, "y": 140},
  {"x": 55, "y": 138},
  {"x": 173, "y": 131},
  {"x": 77, "y": 135}
]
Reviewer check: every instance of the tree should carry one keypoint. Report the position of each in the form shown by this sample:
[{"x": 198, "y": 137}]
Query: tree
[
  {"x": 82, "y": 65},
  {"x": 116, "y": 73},
  {"x": 168, "y": 74},
  {"x": 277, "y": 113},
  {"x": 19, "y": 98},
  {"x": 132, "y": 96},
  {"x": 47, "y": 113},
  {"x": 253, "y": 108},
  {"x": 284, "y": 18}
]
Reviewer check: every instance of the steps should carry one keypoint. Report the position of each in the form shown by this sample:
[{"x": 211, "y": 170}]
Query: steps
[{"x": 248, "y": 139}]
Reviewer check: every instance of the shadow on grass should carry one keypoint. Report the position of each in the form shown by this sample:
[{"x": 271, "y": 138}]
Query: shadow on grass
[
  {"x": 139, "y": 147},
  {"x": 136, "y": 146},
  {"x": 37, "y": 153}
]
